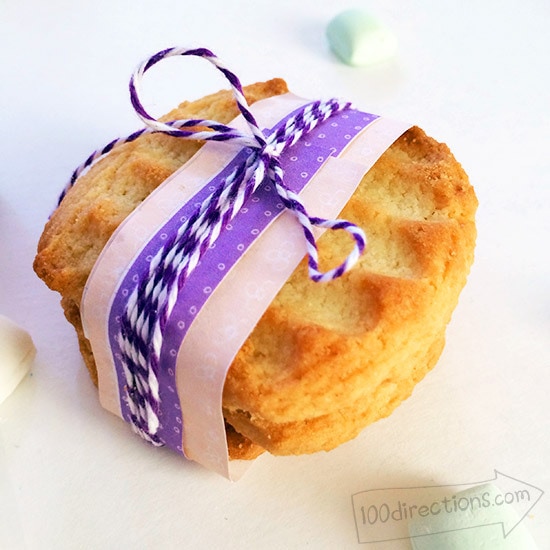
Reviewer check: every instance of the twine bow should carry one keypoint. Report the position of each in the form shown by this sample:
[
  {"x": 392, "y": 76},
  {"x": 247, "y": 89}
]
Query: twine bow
[{"x": 150, "y": 304}]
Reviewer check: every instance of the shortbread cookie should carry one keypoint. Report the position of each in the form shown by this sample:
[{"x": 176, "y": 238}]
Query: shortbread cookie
[{"x": 326, "y": 359}]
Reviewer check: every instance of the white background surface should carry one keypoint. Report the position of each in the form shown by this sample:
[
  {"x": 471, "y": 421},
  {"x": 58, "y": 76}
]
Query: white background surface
[{"x": 472, "y": 74}]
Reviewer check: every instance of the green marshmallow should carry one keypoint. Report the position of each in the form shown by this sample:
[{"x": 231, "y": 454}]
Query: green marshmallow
[
  {"x": 472, "y": 523},
  {"x": 358, "y": 39}
]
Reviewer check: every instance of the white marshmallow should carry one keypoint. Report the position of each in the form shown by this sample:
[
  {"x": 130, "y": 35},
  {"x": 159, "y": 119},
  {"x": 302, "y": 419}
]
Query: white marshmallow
[{"x": 17, "y": 353}]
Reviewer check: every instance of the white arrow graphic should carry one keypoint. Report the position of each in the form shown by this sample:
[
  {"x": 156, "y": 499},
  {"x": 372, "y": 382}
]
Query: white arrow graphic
[{"x": 383, "y": 515}]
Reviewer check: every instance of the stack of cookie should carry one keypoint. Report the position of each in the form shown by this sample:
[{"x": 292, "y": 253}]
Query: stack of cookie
[{"x": 325, "y": 360}]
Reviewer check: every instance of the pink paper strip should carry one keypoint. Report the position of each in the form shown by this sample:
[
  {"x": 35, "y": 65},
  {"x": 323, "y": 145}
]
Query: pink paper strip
[{"x": 249, "y": 287}]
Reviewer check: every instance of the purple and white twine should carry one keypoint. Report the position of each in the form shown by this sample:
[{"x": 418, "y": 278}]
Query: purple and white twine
[{"x": 151, "y": 303}]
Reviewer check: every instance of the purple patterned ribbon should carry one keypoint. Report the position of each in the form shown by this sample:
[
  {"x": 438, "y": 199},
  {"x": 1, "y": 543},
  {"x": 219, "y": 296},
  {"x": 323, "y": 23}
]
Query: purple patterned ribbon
[{"x": 300, "y": 163}]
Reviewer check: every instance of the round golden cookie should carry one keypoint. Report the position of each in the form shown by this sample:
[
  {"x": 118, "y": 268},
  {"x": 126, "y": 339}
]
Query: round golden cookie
[{"x": 325, "y": 359}]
